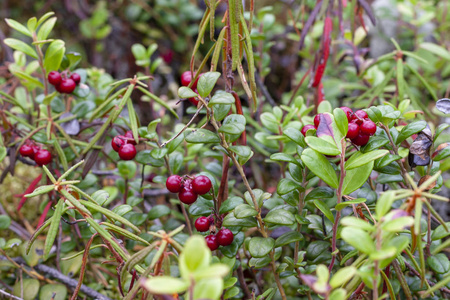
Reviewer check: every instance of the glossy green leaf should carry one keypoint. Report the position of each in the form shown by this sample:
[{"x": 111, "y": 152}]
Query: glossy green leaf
[
  {"x": 244, "y": 210},
  {"x": 342, "y": 276},
  {"x": 320, "y": 166},
  {"x": 286, "y": 185},
  {"x": 260, "y": 247},
  {"x": 17, "y": 26},
  {"x": 45, "y": 29},
  {"x": 231, "y": 220},
  {"x": 158, "y": 211},
  {"x": 295, "y": 135},
  {"x": 201, "y": 136},
  {"x": 54, "y": 228},
  {"x": 322, "y": 146},
  {"x": 355, "y": 178},
  {"x": 359, "y": 159},
  {"x": 410, "y": 129},
  {"x": 359, "y": 239},
  {"x": 29, "y": 286},
  {"x": 439, "y": 263},
  {"x": 206, "y": 83},
  {"x": 221, "y": 97},
  {"x": 324, "y": 209},
  {"x": 357, "y": 223},
  {"x": 53, "y": 291},
  {"x": 161, "y": 285},
  {"x": 288, "y": 238},
  {"x": 54, "y": 55},
  {"x": 185, "y": 92},
  {"x": 229, "y": 204},
  {"x": 280, "y": 217},
  {"x": 21, "y": 46},
  {"x": 342, "y": 205}
]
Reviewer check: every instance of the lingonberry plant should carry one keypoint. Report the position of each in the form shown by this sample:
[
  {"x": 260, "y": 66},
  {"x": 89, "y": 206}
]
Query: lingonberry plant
[{"x": 246, "y": 197}]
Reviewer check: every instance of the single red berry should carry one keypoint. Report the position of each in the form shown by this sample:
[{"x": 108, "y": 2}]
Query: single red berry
[
  {"x": 43, "y": 157},
  {"x": 67, "y": 86},
  {"x": 173, "y": 183},
  {"x": 54, "y": 78},
  {"x": 201, "y": 185},
  {"x": 194, "y": 100},
  {"x": 202, "y": 224},
  {"x": 76, "y": 78},
  {"x": 361, "y": 139},
  {"x": 225, "y": 237},
  {"x": 26, "y": 151},
  {"x": 186, "y": 79},
  {"x": 317, "y": 120},
  {"x": 353, "y": 130},
  {"x": 127, "y": 152},
  {"x": 368, "y": 127},
  {"x": 117, "y": 142},
  {"x": 306, "y": 128},
  {"x": 130, "y": 137},
  {"x": 211, "y": 241},
  {"x": 360, "y": 114},
  {"x": 348, "y": 111},
  {"x": 187, "y": 195}
]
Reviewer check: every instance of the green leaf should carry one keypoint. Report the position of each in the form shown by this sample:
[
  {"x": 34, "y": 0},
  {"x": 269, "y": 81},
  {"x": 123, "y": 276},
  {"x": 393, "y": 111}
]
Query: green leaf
[
  {"x": 322, "y": 146},
  {"x": 295, "y": 135},
  {"x": 440, "y": 232},
  {"x": 338, "y": 294},
  {"x": 206, "y": 83},
  {"x": 287, "y": 238},
  {"x": 214, "y": 270},
  {"x": 324, "y": 209},
  {"x": 284, "y": 157},
  {"x": 357, "y": 223},
  {"x": 342, "y": 205},
  {"x": 359, "y": 159},
  {"x": 229, "y": 204},
  {"x": 260, "y": 247},
  {"x": 43, "y": 189},
  {"x": 5, "y": 221},
  {"x": 20, "y": 46},
  {"x": 359, "y": 239},
  {"x": 244, "y": 153},
  {"x": 231, "y": 220},
  {"x": 162, "y": 285},
  {"x": 2, "y": 153},
  {"x": 384, "y": 203},
  {"x": 280, "y": 217},
  {"x": 400, "y": 80},
  {"x": 53, "y": 291},
  {"x": 54, "y": 228},
  {"x": 158, "y": 211},
  {"x": 355, "y": 178},
  {"x": 139, "y": 52},
  {"x": 195, "y": 256},
  {"x": 341, "y": 120},
  {"x": 286, "y": 185},
  {"x": 439, "y": 263},
  {"x": 45, "y": 29},
  {"x": 127, "y": 169},
  {"x": 436, "y": 49},
  {"x": 211, "y": 288},
  {"x": 221, "y": 97},
  {"x": 199, "y": 136},
  {"x": 244, "y": 210},
  {"x": 320, "y": 166},
  {"x": 342, "y": 276},
  {"x": 185, "y": 92},
  {"x": 409, "y": 130},
  {"x": 30, "y": 288},
  {"x": 397, "y": 224},
  {"x": 17, "y": 26},
  {"x": 54, "y": 55},
  {"x": 320, "y": 192}
]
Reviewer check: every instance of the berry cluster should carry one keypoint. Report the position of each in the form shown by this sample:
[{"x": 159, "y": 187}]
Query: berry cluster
[
  {"x": 124, "y": 145},
  {"x": 186, "y": 79},
  {"x": 223, "y": 238},
  {"x": 188, "y": 188},
  {"x": 62, "y": 82},
  {"x": 360, "y": 127},
  {"x": 40, "y": 156}
]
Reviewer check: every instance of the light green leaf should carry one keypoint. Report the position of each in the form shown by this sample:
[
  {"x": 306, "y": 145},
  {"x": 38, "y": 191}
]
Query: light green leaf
[
  {"x": 355, "y": 178},
  {"x": 359, "y": 239},
  {"x": 320, "y": 166},
  {"x": 21, "y": 46},
  {"x": 260, "y": 247},
  {"x": 359, "y": 159},
  {"x": 206, "y": 83}
]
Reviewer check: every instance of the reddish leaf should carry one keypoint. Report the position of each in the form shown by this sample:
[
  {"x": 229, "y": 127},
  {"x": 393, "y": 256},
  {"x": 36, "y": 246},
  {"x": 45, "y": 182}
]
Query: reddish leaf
[
  {"x": 44, "y": 214},
  {"x": 30, "y": 189},
  {"x": 325, "y": 127},
  {"x": 324, "y": 52},
  {"x": 440, "y": 148}
]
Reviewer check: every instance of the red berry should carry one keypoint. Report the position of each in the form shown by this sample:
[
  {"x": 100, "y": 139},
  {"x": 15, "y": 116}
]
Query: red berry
[
  {"x": 202, "y": 224},
  {"x": 187, "y": 195},
  {"x": 317, "y": 120},
  {"x": 353, "y": 130},
  {"x": 211, "y": 241},
  {"x": 130, "y": 137},
  {"x": 67, "y": 86},
  {"x": 54, "y": 78},
  {"x": 361, "y": 139},
  {"x": 306, "y": 128},
  {"x": 127, "y": 152},
  {"x": 348, "y": 111},
  {"x": 193, "y": 100},
  {"x": 117, "y": 142},
  {"x": 173, "y": 183},
  {"x": 225, "y": 237},
  {"x": 43, "y": 157},
  {"x": 76, "y": 78},
  {"x": 368, "y": 127},
  {"x": 186, "y": 79},
  {"x": 26, "y": 151},
  {"x": 361, "y": 114},
  {"x": 201, "y": 185}
]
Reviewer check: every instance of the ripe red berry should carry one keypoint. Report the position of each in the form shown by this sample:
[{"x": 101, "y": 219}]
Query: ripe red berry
[
  {"x": 173, "y": 183},
  {"x": 76, "y": 78},
  {"x": 187, "y": 195},
  {"x": 353, "y": 130},
  {"x": 201, "y": 185},
  {"x": 361, "y": 114},
  {"x": 348, "y": 111},
  {"x": 211, "y": 241},
  {"x": 54, "y": 78},
  {"x": 127, "y": 152},
  {"x": 186, "y": 79},
  {"x": 368, "y": 127},
  {"x": 202, "y": 224},
  {"x": 130, "y": 137},
  {"x": 67, "y": 86},
  {"x": 117, "y": 142},
  {"x": 317, "y": 120},
  {"x": 306, "y": 128},
  {"x": 43, "y": 157},
  {"x": 26, "y": 151},
  {"x": 361, "y": 139},
  {"x": 225, "y": 237}
]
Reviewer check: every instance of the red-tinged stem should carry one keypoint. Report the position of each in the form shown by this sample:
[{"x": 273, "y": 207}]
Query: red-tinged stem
[{"x": 83, "y": 267}]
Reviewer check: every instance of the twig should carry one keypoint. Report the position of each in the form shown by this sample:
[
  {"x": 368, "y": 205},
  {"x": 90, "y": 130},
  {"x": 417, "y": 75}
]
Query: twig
[{"x": 10, "y": 295}]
